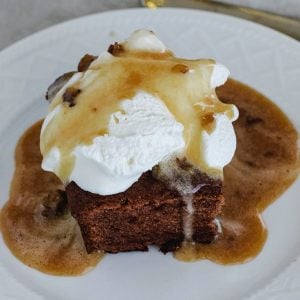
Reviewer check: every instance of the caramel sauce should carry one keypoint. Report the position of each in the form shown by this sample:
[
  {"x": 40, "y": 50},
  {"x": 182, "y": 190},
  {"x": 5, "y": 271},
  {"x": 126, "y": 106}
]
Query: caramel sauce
[
  {"x": 39, "y": 230},
  {"x": 35, "y": 222},
  {"x": 265, "y": 164},
  {"x": 183, "y": 85}
]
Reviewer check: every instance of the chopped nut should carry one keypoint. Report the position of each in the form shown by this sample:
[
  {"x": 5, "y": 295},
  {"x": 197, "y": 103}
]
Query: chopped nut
[
  {"x": 180, "y": 68},
  {"x": 70, "y": 94},
  {"x": 57, "y": 85},
  {"x": 54, "y": 205},
  {"x": 115, "y": 49},
  {"x": 85, "y": 62}
]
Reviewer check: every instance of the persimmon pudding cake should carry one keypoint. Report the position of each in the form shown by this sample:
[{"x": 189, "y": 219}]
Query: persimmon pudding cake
[{"x": 139, "y": 138}]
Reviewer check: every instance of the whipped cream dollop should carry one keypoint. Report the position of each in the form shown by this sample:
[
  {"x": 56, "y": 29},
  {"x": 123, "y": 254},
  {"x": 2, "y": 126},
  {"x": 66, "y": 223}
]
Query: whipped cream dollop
[
  {"x": 139, "y": 137},
  {"x": 141, "y": 132}
]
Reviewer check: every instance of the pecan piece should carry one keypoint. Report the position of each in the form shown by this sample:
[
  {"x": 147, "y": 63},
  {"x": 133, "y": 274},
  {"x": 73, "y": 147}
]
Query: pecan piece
[
  {"x": 115, "y": 49},
  {"x": 70, "y": 94},
  {"x": 85, "y": 62},
  {"x": 54, "y": 88}
]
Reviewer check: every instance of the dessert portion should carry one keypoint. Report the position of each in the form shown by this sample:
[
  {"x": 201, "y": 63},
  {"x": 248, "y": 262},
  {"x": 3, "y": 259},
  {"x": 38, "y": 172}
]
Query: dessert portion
[
  {"x": 39, "y": 230},
  {"x": 139, "y": 138}
]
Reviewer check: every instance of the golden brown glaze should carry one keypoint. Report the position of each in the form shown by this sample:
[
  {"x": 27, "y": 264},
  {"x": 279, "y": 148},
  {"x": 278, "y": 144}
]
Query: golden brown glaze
[
  {"x": 35, "y": 222},
  {"x": 266, "y": 162},
  {"x": 183, "y": 85},
  {"x": 39, "y": 230}
]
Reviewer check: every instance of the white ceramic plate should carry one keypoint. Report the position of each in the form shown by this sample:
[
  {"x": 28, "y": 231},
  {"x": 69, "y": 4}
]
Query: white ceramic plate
[{"x": 258, "y": 56}]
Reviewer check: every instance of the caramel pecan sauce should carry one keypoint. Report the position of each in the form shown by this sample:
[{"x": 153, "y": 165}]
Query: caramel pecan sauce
[{"x": 39, "y": 230}]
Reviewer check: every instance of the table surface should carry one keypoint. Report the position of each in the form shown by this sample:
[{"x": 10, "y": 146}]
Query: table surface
[{"x": 20, "y": 18}]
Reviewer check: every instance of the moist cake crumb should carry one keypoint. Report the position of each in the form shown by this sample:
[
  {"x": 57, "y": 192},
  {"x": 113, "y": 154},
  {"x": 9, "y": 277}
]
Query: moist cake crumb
[{"x": 148, "y": 213}]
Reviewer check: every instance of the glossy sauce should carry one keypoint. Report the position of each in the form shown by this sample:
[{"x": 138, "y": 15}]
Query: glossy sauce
[
  {"x": 39, "y": 230},
  {"x": 35, "y": 222}
]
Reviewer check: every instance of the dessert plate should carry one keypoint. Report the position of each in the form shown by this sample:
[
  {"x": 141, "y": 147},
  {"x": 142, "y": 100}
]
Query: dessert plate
[{"x": 258, "y": 56}]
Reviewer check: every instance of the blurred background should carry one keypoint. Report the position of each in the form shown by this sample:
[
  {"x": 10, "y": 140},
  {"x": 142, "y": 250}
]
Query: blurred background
[{"x": 20, "y": 18}]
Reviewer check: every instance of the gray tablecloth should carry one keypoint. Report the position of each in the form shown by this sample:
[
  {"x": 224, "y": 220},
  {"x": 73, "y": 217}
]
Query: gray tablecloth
[
  {"x": 19, "y": 18},
  {"x": 290, "y": 8}
]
